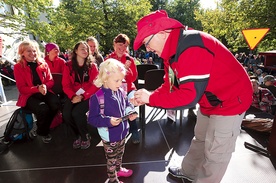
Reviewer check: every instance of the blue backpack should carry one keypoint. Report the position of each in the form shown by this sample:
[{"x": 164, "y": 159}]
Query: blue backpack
[{"x": 18, "y": 126}]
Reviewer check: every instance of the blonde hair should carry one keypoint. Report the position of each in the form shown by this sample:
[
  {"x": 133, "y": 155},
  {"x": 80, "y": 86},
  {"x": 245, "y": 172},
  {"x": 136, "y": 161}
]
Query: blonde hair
[
  {"x": 24, "y": 46},
  {"x": 107, "y": 68}
]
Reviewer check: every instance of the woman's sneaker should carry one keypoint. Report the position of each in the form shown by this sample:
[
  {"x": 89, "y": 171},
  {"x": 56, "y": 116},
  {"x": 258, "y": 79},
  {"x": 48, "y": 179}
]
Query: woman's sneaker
[
  {"x": 124, "y": 172},
  {"x": 77, "y": 143},
  {"x": 46, "y": 139},
  {"x": 85, "y": 144}
]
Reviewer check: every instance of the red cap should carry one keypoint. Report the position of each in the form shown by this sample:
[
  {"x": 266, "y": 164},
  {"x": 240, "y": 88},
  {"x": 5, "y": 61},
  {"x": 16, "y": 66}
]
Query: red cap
[
  {"x": 50, "y": 46},
  {"x": 153, "y": 23}
]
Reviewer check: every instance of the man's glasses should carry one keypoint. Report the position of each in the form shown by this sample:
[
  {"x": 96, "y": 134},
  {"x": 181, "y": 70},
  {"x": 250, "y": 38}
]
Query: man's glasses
[{"x": 147, "y": 43}]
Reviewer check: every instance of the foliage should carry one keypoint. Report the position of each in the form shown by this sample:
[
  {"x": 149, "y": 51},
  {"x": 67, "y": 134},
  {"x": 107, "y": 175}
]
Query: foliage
[
  {"x": 183, "y": 11},
  {"x": 73, "y": 21},
  {"x": 232, "y": 16},
  {"x": 103, "y": 19}
]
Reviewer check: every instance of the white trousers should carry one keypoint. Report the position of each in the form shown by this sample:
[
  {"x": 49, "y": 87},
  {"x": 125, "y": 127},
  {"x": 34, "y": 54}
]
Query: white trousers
[{"x": 212, "y": 147}]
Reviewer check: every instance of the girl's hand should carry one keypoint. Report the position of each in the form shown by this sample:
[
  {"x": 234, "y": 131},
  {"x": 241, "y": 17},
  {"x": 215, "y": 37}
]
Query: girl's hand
[
  {"x": 115, "y": 121},
  {"x": 133, "y": 117}
]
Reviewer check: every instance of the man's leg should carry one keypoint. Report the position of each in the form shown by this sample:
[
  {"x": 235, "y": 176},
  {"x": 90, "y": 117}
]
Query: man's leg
[{"x": 220, "y": 143}]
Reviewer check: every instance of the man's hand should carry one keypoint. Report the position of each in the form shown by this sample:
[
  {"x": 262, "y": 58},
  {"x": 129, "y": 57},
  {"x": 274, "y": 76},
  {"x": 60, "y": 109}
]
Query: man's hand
[{"x": 142, "y": 96}]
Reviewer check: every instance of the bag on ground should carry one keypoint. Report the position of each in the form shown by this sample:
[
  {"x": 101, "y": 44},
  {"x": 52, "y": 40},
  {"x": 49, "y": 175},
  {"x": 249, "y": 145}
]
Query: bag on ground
[{"x": 19, "y": 126}]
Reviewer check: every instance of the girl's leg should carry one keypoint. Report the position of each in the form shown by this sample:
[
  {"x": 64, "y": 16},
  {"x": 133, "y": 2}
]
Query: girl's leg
[{"x": 110, "y": 150}]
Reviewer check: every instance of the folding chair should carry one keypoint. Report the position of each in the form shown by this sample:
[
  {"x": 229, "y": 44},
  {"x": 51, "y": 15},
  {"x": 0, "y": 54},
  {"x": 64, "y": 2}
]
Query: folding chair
[
  {"x": 154, "y": 79},
  {"x": 142, "y": 69}
]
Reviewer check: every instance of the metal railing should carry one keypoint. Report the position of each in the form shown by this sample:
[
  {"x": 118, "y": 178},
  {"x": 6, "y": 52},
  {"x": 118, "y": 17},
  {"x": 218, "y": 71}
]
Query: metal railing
[{"x": 3, "y": 98}]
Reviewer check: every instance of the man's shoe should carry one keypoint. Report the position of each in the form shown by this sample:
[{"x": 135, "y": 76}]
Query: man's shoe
[{"x": 176, "y": 172}]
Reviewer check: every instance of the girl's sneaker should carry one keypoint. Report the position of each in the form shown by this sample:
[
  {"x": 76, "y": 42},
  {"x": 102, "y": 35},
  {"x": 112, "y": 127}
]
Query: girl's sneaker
[
  {"x": 124, "y": 172},
  {"x": 77, "y": 143}
]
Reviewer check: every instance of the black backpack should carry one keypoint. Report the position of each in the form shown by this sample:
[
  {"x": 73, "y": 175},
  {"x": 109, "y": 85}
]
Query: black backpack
[{"x": 18, "y": 126}]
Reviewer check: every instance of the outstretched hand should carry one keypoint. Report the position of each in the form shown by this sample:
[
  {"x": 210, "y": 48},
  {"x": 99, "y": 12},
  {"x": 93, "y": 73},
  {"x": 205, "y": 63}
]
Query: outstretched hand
[{"x": 141, "y": 97}]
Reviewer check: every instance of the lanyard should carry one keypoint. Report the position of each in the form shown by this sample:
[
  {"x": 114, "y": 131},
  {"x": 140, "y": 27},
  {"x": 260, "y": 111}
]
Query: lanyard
[
  {"x": 171, "y": 78},
  {"x": 81, "y": 81}
]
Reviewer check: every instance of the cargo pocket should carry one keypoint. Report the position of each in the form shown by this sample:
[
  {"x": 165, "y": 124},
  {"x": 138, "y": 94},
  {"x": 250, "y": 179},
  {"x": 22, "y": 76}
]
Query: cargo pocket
[{"x": 223, "y": 142}]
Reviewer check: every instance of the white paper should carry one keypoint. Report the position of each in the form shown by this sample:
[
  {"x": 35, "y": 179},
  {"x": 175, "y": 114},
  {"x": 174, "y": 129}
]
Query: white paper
[
  {"x": 171, "y": 114},
  {"x": 80, "y": 91}
]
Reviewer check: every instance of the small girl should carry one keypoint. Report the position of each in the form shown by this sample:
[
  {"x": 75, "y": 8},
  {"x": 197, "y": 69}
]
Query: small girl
[{"x": 112, "y": 129}]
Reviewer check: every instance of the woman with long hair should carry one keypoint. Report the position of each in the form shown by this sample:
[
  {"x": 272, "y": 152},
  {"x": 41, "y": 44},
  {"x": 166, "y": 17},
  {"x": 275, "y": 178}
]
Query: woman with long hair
[
  {"x": 34, "y": 82},
  {"x": 77, "y": 81}
]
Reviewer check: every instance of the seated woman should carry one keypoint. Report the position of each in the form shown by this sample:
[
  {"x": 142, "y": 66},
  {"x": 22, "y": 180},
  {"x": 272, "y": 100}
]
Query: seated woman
[
  {"x": 77, "y": 82},
  {"x": 262, "y": 98},
  {"x": 56, "y": 63},
  {"x": 34, "y": 82},
  {"x": 94, "y": 48}
]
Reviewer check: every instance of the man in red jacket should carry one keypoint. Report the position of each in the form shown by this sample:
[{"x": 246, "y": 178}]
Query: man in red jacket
[{"x": 204, "y": 71}]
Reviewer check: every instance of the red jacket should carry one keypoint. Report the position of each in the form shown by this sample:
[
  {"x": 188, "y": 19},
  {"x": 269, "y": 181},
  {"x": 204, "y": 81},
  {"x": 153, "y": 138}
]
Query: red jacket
[
  {"x": 131, "y": 74},
  {"x": 57, "y": 65},
  {"x": 24, "y": 80},
  {"x": 70, "y": 87},
  {"x": 203, "y": 66}
]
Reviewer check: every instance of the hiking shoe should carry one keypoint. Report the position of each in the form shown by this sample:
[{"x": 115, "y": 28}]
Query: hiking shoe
[
  {"x": 177, "y": 172},
  {"x": 135, "y": 137},
  {"x": 85, "y": 144},
  {"x": 32, "y": 134},
  {"x": 77, "y": 143},
  {"x": 124, "y": 172},
  {"x": 46, "y": 139}
]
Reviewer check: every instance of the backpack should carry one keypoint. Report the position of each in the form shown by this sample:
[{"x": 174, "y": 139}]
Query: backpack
[
  {"x": 100, "y": 96},
  {"x": 18, "y": 126}
]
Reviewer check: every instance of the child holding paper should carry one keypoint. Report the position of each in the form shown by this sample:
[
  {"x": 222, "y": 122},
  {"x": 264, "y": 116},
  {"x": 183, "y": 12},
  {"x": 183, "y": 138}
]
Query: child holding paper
[
  {"x": 77, "y": 81},
  {"x": 108, "y": 117}
]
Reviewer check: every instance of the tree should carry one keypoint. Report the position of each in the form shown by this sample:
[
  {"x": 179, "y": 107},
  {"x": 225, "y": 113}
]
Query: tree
[
  {"x": 73, "y": 21},
  {"x": 103, "y": 19},
  {"x": 25, "y": 17},
  {"x": 232, "y": 16},
  {"x": 183, "y": 11}
]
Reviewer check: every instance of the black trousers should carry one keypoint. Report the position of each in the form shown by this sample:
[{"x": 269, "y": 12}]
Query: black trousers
[
  {"x": 74, "y": 115},
  {"x": 45, "y": 107}
]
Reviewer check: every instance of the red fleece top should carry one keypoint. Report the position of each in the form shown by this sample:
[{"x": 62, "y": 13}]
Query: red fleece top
[
  {"x": 70, "y": 87},
  {"x": 57, "y": 65},
  {"x": 131, "y": 74},
  {"x": 24, "y": 80},
  {"x": 224, "y": 76}
]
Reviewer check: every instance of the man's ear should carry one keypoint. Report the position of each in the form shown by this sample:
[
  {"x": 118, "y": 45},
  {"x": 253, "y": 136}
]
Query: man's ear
[{"x": 163, "y": 34}]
